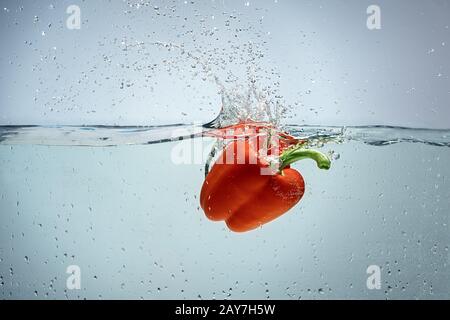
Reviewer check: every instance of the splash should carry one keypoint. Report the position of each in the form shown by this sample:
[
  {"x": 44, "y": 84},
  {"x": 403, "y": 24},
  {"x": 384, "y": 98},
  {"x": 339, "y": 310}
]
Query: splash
[
  {"x": 264, "y": 136},
  {"x": 241, "y": 103}
]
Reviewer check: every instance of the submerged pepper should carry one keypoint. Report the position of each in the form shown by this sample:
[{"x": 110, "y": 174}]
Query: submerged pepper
[{"x": 239, "y": 191}]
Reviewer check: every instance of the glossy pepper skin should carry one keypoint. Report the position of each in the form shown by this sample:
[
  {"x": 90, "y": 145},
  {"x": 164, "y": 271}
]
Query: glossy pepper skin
[{"x": 236, "y": 192}]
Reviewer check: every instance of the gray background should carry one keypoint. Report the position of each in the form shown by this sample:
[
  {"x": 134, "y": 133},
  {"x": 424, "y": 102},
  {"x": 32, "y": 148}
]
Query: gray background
[{"x": 331, "y": 69}]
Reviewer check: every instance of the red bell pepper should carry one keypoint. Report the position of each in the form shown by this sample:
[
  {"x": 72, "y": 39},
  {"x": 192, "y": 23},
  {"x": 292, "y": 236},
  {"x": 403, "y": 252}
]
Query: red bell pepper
[{"x": 236, "y": 191}]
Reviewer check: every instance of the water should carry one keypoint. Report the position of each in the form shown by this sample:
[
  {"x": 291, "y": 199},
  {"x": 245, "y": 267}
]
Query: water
[
  {"x": 106, "y": 136},
  {"x": 111, "y": 201},
  {"x": 119, "y": 203}
]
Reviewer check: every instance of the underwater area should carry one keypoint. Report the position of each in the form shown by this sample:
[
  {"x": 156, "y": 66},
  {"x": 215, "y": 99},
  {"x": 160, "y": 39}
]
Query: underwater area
[{"x": 131, "y": 218}]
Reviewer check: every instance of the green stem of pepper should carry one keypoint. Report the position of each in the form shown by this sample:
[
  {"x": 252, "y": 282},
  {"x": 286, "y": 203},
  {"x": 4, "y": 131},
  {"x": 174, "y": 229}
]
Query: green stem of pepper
[{"x": 298, "y": 153}]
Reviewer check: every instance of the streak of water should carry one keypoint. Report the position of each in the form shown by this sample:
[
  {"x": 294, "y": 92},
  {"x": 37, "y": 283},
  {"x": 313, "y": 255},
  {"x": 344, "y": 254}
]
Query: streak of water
[{"x": 103, "y": 136}]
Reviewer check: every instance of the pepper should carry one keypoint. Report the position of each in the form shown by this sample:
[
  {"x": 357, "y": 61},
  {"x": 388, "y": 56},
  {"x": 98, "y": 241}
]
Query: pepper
[{"x": 236, "y": 191}]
